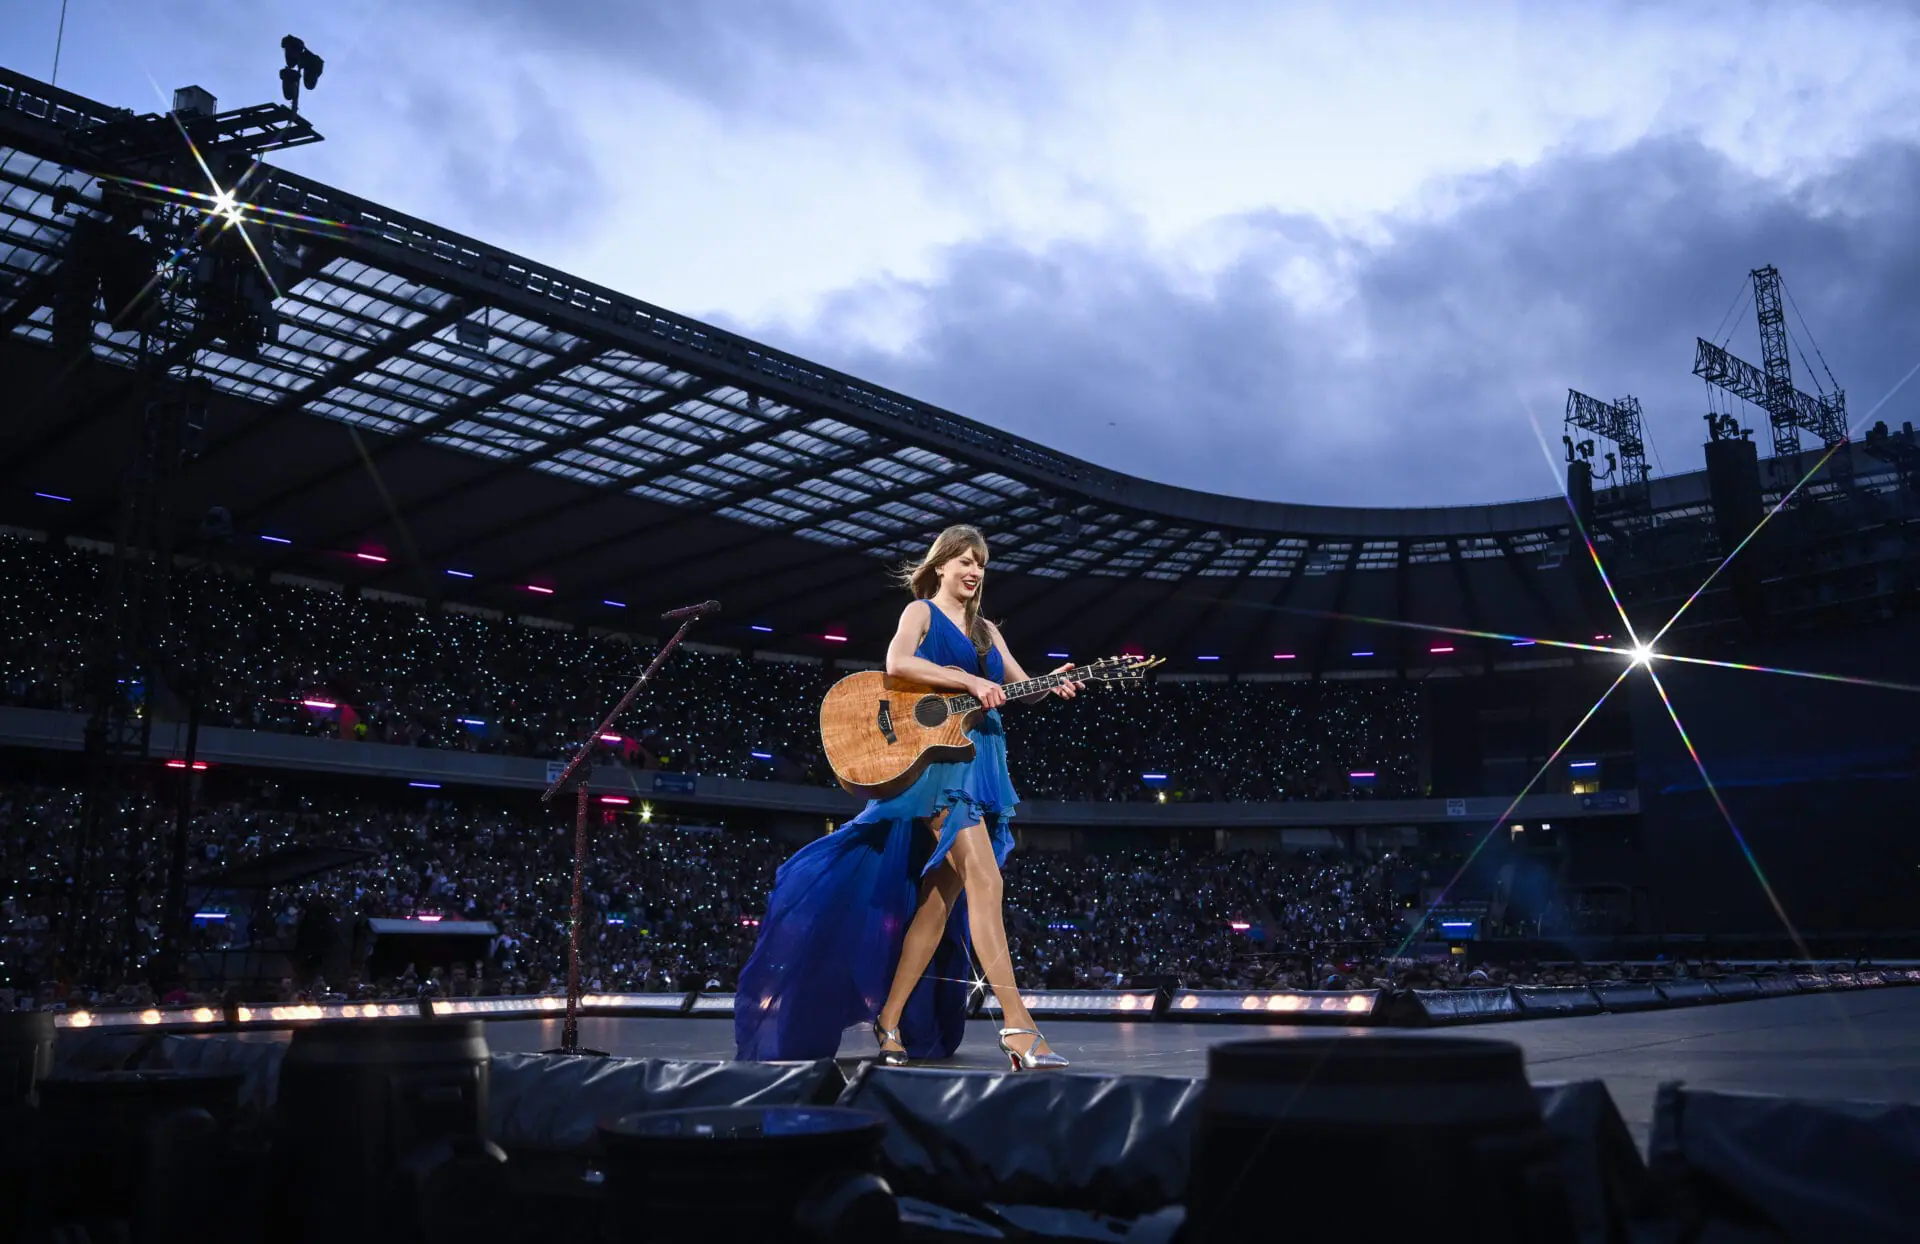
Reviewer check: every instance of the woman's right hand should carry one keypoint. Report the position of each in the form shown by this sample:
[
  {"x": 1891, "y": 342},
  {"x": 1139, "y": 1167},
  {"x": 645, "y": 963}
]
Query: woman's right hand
[{"x": 989, "y": 693}]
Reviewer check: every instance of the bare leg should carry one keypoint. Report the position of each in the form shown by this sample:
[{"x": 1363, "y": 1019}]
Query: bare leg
[
  {"x": 938, "y": 893},
  {"x": 980, "y": 874}
]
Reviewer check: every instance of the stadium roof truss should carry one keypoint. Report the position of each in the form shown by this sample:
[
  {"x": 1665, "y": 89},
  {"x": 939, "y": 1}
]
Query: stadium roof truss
[{"x": 410, "y": 332}]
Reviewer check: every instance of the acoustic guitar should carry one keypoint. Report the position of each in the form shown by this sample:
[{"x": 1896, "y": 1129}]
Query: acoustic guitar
[{"x": 880, "y": 734}]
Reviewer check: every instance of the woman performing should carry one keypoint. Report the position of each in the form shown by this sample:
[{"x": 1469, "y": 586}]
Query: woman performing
[{"x": 869, "y": 924}]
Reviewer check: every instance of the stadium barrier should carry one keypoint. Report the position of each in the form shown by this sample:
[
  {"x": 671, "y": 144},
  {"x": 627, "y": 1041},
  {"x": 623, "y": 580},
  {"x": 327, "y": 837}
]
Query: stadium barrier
[
  {"x": 1731, "y": 988},
  {"x": 1618, "y": 996},
  {"x": 1555, "y": 1000},
  {"x": 1686, "y": 992},
  {"x": 1454, "y": 1006}
]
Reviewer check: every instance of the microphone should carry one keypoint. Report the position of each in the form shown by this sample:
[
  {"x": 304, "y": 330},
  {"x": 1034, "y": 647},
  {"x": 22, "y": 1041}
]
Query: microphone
[{"x": 700, "y": 610}]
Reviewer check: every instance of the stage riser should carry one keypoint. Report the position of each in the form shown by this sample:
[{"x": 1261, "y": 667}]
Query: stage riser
[{"x": 1067, "y": 1147}]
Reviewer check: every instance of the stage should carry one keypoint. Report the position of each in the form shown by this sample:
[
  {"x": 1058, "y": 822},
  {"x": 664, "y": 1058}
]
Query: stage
[{"x": 1861, "y": 1045}]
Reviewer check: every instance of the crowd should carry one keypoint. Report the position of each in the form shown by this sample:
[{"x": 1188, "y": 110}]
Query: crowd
[
  {"x": 667, "y": 907},
  {"x": 305, "y": 659}
]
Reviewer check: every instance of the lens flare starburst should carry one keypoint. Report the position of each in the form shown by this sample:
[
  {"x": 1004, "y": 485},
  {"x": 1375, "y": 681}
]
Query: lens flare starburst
[{"x": 1638, "y": 655}]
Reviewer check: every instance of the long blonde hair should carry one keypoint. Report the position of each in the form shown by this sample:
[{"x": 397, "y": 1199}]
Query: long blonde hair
[{"x": 922, "y": 578}]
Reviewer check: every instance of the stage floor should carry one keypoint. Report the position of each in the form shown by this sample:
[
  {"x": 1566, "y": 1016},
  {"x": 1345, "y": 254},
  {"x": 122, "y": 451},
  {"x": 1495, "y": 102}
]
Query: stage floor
[{"x": 1862, "y": 1045}]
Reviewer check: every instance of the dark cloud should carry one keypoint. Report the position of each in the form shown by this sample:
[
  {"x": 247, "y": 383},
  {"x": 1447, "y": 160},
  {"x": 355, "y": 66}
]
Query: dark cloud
[{"x": 1588, "y": 271}]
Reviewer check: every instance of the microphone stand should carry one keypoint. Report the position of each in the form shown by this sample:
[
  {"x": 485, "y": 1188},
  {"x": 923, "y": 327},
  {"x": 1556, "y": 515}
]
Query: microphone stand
[{"x": 581, "y": 767}]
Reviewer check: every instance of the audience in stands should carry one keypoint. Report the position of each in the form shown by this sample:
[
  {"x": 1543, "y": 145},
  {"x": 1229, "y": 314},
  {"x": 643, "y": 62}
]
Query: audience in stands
[
  {"x": 667, "y": 907},
  {"x": 308, "y": 660}
]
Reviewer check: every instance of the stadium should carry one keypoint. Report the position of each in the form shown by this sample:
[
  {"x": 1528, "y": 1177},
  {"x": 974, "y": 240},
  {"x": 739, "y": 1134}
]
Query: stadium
[{"x": 330, "y": 534}]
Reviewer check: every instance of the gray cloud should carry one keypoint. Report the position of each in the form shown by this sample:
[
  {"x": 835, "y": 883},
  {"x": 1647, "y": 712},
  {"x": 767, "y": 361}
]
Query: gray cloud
[
  {"x": 538, "y": 180},
  {"x": 1588, "y": 271},
  {"x": 777, "y": 59}
]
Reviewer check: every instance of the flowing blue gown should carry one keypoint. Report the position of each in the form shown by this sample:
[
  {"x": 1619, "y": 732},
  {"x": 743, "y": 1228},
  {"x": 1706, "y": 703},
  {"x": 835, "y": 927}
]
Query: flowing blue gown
[{"x": 840, "y": 906}]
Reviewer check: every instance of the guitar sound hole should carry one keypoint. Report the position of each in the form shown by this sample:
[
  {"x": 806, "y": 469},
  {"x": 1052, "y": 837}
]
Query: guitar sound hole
[{"x": 930, "y": 711}]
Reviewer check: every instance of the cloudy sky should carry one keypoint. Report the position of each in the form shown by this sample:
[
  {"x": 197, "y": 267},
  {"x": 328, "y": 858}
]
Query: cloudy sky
[{"x": 1336, "y": 253}]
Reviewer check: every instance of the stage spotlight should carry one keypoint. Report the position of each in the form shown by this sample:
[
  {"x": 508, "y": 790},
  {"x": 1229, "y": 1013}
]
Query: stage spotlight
[
  {"x": 303, "y": 68},
  {"x": 1642, "y": 655}
]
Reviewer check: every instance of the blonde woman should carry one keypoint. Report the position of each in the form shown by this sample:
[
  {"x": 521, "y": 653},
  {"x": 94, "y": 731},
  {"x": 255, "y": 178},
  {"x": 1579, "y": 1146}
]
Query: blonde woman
[{"x": 870, "y": 924}]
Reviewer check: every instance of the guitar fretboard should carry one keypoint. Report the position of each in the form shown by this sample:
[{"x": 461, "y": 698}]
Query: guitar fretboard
[{"x": 1017, "y": 690}]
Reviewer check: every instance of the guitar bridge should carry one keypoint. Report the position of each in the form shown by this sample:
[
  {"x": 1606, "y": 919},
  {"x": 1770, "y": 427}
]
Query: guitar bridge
[{"x": 886, "y": 721}]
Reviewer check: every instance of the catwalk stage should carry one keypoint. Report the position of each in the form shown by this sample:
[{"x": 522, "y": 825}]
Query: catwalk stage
[{"x": 1863, "y": 1046}]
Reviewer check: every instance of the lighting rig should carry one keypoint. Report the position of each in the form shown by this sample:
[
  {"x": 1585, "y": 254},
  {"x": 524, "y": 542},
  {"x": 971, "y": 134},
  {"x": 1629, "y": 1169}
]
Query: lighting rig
[
  {"x": 1770, "y": 386},
  {"x": 181, "y": 269}
]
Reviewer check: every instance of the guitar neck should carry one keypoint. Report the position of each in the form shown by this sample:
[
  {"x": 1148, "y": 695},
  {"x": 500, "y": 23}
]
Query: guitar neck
[{"x": 1015, "y": 690}]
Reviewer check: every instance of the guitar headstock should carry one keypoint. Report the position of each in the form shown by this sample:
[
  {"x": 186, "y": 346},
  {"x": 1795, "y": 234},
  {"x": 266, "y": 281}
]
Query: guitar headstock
[{"x": 1121, "y": 670}]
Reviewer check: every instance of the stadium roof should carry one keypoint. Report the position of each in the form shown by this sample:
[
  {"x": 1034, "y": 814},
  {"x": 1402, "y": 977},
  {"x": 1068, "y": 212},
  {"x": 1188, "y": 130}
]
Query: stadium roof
[{"x": 535, "y": 431}]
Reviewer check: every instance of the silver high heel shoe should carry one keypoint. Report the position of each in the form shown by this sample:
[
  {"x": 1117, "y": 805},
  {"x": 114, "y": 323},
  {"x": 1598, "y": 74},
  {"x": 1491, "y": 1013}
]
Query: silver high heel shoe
[
  {"x": 890, "y": 1058},
  {"x": 1027, "y": 1060}
]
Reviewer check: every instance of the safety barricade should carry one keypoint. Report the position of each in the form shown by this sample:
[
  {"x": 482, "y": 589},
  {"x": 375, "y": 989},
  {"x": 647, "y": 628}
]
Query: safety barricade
[
  {"x": 1627, "y": 996},
  {"x": 1555, "y": 1000},
  {"x": 1686, "y": 992}
]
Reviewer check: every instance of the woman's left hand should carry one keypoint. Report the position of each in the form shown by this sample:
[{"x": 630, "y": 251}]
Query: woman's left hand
[{"x": 1067, "y": 690}]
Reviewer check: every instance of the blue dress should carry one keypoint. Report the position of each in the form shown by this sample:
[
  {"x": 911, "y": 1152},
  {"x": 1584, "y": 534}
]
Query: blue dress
[{"x": 840, "y": 906}]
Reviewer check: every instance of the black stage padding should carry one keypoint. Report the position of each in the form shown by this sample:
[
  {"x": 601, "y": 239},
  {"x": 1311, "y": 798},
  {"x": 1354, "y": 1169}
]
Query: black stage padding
[
  {"x": 1442, "y": 1006},
  {"x": 1605, "y": 1175},
  {"x": 1735, "y": 987},
  {"x": 1113, "y": 1145},
  {"x": 78, "y": 1051},
  {"x": 1555, "y": 1000},
  {"x": 256, "y": 1058},
  {"x": 1623, "y": 996},
  {"x": 1750, "y": 1167},
  {"x": 1811, "y": 982},
  {"x": 1686, "y": 993},
  {"x": 256, "y": 1061},
  {"x": 1775, "y": 984},
  {"x": 553, "y": 1103}
]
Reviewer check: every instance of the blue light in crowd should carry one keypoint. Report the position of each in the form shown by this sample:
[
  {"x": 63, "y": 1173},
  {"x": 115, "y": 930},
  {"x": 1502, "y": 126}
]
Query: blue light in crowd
[
  {"x": 1153, "y": 777},
  {"x": 616, "y": 919},
  {"x": 764, "y": 630},
  {"x": 1363, "y": 654},
  {"x": 425, "y": 785},
  {"x": 1207, "y": 658},
  {"x": 1056, "y": 656},
  {"x": 761, "y": 755},
  {"x": 53, "y": 496},
  {"x": 460, "y": 574},
  {"x": 1523, "y": 643},
  {"x": 1584, "y": 764},
  {"x": 470, "y": 721},
  {"x": 616, "y": 604},
  {"x": 276, "y": 540}
]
